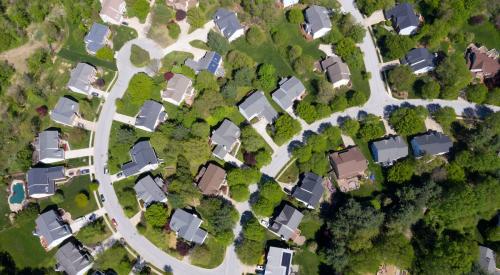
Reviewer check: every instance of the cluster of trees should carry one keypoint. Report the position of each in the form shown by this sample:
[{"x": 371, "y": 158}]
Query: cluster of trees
[
  {"x": 285, "y": 127},
  {"x": 220, "y": 217},
  {"x": 251, "y": 248},
  {"x": 269, "y": 196},
  {"x": 256, "y": 151},
  {"x": 156, "y": 215},
  {"x": 367, "y": 128},
  {"x": 239, "y": 179},
  {"x": 408, "y": 121},
  {"x": 181, "y": 190}
]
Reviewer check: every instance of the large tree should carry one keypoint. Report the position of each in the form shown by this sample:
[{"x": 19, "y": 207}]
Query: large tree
[{"x": 156, "y": 215}]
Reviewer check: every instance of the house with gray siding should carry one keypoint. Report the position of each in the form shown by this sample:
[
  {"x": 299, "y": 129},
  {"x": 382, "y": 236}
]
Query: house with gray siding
[
  {"x": 51, "y": 229},
  {"x": 73, "y": 259},
  {"x": 228, "y": 24},
  {"x": 48, "y": 147},
  {"x": 487, "y": 261},
  {"x": 66, "y": 111},
  {"x": 432, "y": 143},
  {"x": 420, "y": 60},
  {"x": 226, "y": 138},
  {"x": 290, "y": 90},
  {"x": 81, "y": 79},
  {"x": 144, "y": 159},
  {"x": 187, "y": 226},
  {"x": 318, "y": 22},
  {"x": 389, "y": 150}
]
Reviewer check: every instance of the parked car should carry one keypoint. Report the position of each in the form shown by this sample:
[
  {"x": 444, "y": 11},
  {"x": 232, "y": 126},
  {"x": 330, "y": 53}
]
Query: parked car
[
  {"x": 125, "y": 23},
  {"x": 92, "y": 217},
  {"x": 102, "y": 198},
  {"x": 84, "y": 171},
  {"x": 106, "y": 169},
  {"x": 114, "y": 223}
]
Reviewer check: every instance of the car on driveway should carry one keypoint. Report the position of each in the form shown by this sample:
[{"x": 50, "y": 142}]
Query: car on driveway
[
  {"x": 102, "y": 198},
  {"x": 84, "y": 171}
]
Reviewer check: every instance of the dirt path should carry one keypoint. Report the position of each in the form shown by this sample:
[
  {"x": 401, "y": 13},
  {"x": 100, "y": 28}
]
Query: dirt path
[{"x": 17, "y": 56}]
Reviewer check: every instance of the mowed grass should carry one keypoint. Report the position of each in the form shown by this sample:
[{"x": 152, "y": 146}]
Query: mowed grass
[
  {"x": 115, "y": 258},
  {"x": 485, "y": 34},
  {"x": 126, "y": 196},
  {"x": 307, "y": 261},
  {"x": 121, "y": 35}
]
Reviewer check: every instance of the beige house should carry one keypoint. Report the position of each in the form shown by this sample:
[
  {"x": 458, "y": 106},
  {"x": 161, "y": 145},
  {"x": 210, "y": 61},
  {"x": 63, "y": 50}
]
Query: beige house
[
  {"x": 184, "y": 5},
  {"x": 179, "y": 89},
  {"x": 112, "y": 11}
]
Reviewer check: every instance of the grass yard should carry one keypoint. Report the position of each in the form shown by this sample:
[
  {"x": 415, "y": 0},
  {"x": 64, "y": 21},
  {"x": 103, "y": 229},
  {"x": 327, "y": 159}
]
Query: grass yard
[
  {"x": 140, "y": 89},
  {"x": 94, "y": 233},
  {"x": 161, "y": 16},
  {"x": 209, "y": 255},
  {"x": 367, "y": 189},
  {"x": 139, "y": 56},
  {"x": 310, "y": 224},
  {"x": 165, "y": 241},
  {"x": 116, "y": 258},
  {"x": 138, "y": 8},
  {"x": 308, "y": 261},
  {"x": 174, "y": 58},
  {"x": 485, "y": 34},
  {"x": 4, "y": 206},
  {"x": 126, "y": 196},
  {"x": 121, "y": 35}
]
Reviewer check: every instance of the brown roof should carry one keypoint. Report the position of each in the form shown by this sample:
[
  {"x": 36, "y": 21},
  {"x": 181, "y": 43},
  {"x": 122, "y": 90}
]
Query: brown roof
[
  {"x": 480, "y": 60},
  {"x": 212, "y": 179},
  {"x": 348, "y": 163}
]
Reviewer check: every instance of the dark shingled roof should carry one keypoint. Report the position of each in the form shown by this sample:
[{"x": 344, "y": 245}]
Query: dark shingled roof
[
  {"x": 433, "y": 143},
  {"x": 418, "y": 59},
  {"x": 403, "y": 16},
  {"x": 310, "y": 190},
  {"x": 142, "y": 155}
]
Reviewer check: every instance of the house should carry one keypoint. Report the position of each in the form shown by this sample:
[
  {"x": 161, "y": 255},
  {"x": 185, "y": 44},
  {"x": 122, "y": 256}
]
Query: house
[
  {"x": 150, "y": 116},
  {"x": 487, "y": 260},
  {"x": 257, "y": 106},
  {"x": 48, "y": 147},
  {"x": 318, "y": 22},
  {"x": 278, "y": 261},
  {"x": 179, "y": 89},
  {"x": 288, "y": 3},
  {"x": 226, "y": 138},
  {"x": 310, "y": 190},
  {"x": 286, "y": 224},
  {"x": 349, "y": 163},
  {"x": 51, "y": 229},
  {"x": 389, "y": 150},
  {"x": 112, "y": 11},
  {"x": 183, "y": 5},
  {"x": 338, "y": 72},
  {"x": 228, "y": 24},
  {"x": 81, "y": 79},
  {"x": 290, "y": 89},
  {"x": 210, "y": 179},
  {"x": 187, "y": 226},
  {"x": 143, "y": 159},
  {"x": 73, "y": 259},
  {"x": 150, "y": 190},
  {"x": 404, "y": 19},
  {"x": 96, "y": 38},
  {"x": 211, "y": 62},
  {"x": 66, "y": 111},
  {"x": 42, "y": 181},
  {"x": 432, "y": 143},
  {"x": 483, "y": 63},
  {"x": 420, "y": 60}
]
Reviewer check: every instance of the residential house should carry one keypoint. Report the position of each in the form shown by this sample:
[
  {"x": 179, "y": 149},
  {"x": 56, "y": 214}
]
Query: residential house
[
  {"x": 211, "y": 179},
  {"x": 288, "y": 3},
  {"x": 290, "y": 89},
  {"x": 112, "y": 11},
  {"x": 310, "y": 190},
  {"x": 338, "y": 72},
  {"x": 389, "y": 150},
  {"x": 96, "y": 38},
  {"x": 150, "y": 190},
  {"x": 404, "y": 19},
  {"x": 211, "y": 62},
  {"x": 278, "y": 261},
  {"x": 318, "y": 22},
  {"x": 257, "y": 106},
  {"x": 286, "y": 224},
  {"x": 179, "y": 89},
  {"x": 187, "y": 226},
  {"x": 150, "y": 116},
  {"x": 228, "y": 24},
  {"x": 226, "y": 138},
  {"x": 483, "y": 63},
  {"x": 432, "y": 143},
  {"x": 66, "y": 111},
  {"x": 81, "y": 79},
  {"x": 51, "y": 229},
  {"x": 48, "y": 147},
  {"x": 348, "y": 163},
  {"x": 183, "y": 5},
  {"x": 42, "y": 181},
  {"x": 487, "y": 261},
  {"x": 420, "y": 60},
  {"x": 73, "y": 259},
  {"x": 143, "y": 159}
]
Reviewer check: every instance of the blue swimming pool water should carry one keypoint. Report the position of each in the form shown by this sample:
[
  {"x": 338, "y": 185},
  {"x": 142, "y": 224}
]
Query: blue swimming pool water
[{"x": 18, "y": 193}]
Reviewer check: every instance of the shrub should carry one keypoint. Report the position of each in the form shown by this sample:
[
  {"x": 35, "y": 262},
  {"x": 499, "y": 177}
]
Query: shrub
[
  {"x": 182, "y": 247},
  {"x": 138, "y": 56},
  {"x": 401, "y": 172},
  {"x": 156, "y": 215},
  {"x": 58, "y": 197},
  {"x": 477, "y": 93},
  {"x": 430, "y": 90},
  {"x": 173, "y": 30},
  {"x": 255, "y": 36},
  {"x": 295, "y": 16},
  {"x": 285, "y": 128},
  {"x": 81, "y": 200},
  {"x": 93, "y": 186}
]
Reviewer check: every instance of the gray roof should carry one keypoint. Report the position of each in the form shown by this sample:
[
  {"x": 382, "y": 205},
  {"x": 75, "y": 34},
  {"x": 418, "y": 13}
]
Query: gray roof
[
  {"x": 310, "y": 190},
  {"x": 290, "y": 89},
  {"x": 227, "y": 22},
  {"x": 419, "y": 58},
  {"x": 317, "y": 18},
  {"x": 258, "y": 105},
  {"x": 487, "y": 260},
  {"x": 72, "y": 259},
  {"x": 177, "y": 87},
  {"x": 151, "y": 112},
  {"x": 187, "y": 226},
  {"x": 47, "y": 145},
  {"x": 226, "y": 135},
  {"x": 432, "y": 143},
  {"x": 389, "y": 150},
  {"x": 336, "y": 70},
  {"x": 210, "y": 61},
  {"x": 51, "y": 227},
  {"x": 96, "y": 37},
  {"x": 278, "y": 261},
  {"x": 65, "y": 111},
  {"x": 81, "y": 77},
  {"x": 41, "y": 181},
  {"x": 142, "y": 154},
  {"x": 149, "y": 190},
  {"x": 287, "y": 222},
  {"x": 403, "y": 16}
]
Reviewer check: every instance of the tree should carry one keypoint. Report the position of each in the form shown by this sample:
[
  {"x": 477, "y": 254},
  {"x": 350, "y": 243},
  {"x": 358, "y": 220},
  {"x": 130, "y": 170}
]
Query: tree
[
  {"x": 267, "y": 77},
  {"x": 477, "y": 93},
  {"x": 200, "y": 129},
  {"x": 350, "y": 127},
  {"x": 255, "y": 36},
  {"x": 371, "y": 127},
  {"x": 303, "y": 64},
  {"x": 239, "y": 193},
  {"x": 346, "y": 48},
  {"x": 445, "y": 116},
  {"x": 263, "y": 157},
  {"x": 93, "y": 233},
  {"x": 430, "y": 89},
  {"x": 6, "y": 72},
  {"x": 81, "y": 200},
  {"x": 93, "y": 186},
  {"x": 244, "y": 76},
  {"x": 408, "y": 121},
  {"x": 356, "y": 98},
  {"x": 174, "y": 30},
  {"x": 295, "y": 16},
  {"x": 306, "y": 111},
  {"x": 251, "y": 140},
  {"x": 325, "y": 92},
  {"x": 270, "y": 195},
  {"x": 453, "y": 74},
  {"x": 285, "y": 127},
  {"x": 494, "y": 97},
  {"x": 401, "y": 78},
  {"x": 156, "y": 215},
  {"x": 195, "y": 18},
  {"x": 401, "y": 172},
  {"x": 139, "y": 56},
  {"x": 125, "y": 135},
  {"x": 396, "y": 46},
  {"x": 206, "y": 81},
  {"x": 238, "y": 60},
  {"x": 220, "y": 216},
  {"x": 218, "y": 43},
  {"x": 339, "y": 103}
]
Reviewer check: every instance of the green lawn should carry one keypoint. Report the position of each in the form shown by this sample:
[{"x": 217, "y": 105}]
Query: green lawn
[
  {"x": 121, "y": 35},
  {"x": 4, "y": 206},
  {"x": 485, "y": 34},
  {"x": 308, "y": 261},
  {"x": 116, "y": 258},
  {"x": 367, "y": 189},
  {"x": 160, "y": 238},
  {"x": 94, "y": 233},
  {"x": 126, "y": 196},
  {"x": 138, "y": 8},
  {"x": 310, "y": 224},
  {"x": 209, "y": 255}
]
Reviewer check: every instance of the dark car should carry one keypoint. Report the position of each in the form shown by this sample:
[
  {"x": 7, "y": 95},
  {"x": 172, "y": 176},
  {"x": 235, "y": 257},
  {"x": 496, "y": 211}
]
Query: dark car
[{"x": 102, "y": 198}]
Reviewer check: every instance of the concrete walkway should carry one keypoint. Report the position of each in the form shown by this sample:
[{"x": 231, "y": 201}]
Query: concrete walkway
[{"x": 124, "y": 119}]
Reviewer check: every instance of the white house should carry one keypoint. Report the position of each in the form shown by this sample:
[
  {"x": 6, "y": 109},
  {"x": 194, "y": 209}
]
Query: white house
[
  {"x": 228, "y": 24},
  {"x": 318, "y": 22}
]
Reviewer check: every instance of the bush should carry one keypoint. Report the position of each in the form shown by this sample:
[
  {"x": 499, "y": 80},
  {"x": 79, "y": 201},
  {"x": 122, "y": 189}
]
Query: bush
[
  {"x": 173, "y": 30},
  {"x": 285, "y": 127},
  {"x": 58, "y": 197},
  {"x": 138, "y": 56},
  {"x": 267, "y": 78},
  {"x": 255, "y": 36},
  {"x": 93, "y": 186},
  {"x": 430, "y": 89},
  {"x": 401, "y": 172},
  {"x": 295, "y": 16},
  {"x": 156, "y": 215},
  {"x": 105, "y": 53},
  {"x": 196, "y": 18},
  {"x": 339, "y": 103},
  {"x": 477, "y": 93},
  {"x": 81, "y": 200},
  {"x": 182, "y": 247}
]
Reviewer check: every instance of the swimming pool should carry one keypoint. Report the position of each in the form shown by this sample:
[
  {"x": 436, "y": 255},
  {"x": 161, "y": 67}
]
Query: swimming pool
[{"x": 17, "y": 195}]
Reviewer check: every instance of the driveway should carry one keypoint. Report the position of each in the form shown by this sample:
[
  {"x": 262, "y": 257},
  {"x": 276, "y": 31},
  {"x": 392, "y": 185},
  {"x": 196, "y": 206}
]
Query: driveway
[
  {"x": 78, "y": 153},
  {"x": 124, "y": 119},
  {"x": 77, "y": 224},
  {"x": 260, "y": 126}
]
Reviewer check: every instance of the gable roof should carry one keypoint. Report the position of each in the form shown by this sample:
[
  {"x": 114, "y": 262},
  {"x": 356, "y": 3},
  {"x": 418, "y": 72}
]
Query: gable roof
[
  {"x": 258, "y": 105},
  {"x": 432, "y": 143},
  {"x": 287, "y": 222},
  {"x": 403, "y": 16},
  {"x": 348, "y": 163},
  {"x": 317, "y": 18},
  {"x": 65, "y": 111},
  {"x": 142, "y": 154},
  {"x": 50, "y": 227},
  {"x": 177, "y": 87},
  {"x": 419, "y": 58},
  {"x": 278, "y": 261},
  {"x": 151, "y": 112},
  {"x": 227, "y": 22},
  {"x": 482, "y": 60},
  {"x": 226, "y": 135},
  {"x": 336, "y": 70},
  {"x": 47, "y": 145},
  {"x": 290, "y": 89},
  {"x": 41, "y": 181},
  {"x": 487, "y": 260},
  {"x": 211, "y": 179},
  {"x": 210, "y": 61},
  {"x": 96, "y": 37},
  {"x": 81, "y": 76},
  {"x": 389, "y": 150},
  {"x": 111, "y": 8},
  {"x": 187, "y": 226},
  {"x": 72, "y": 259},
  {"x": 310, "y": 190},
  {"x": 149, "y": 190}
]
